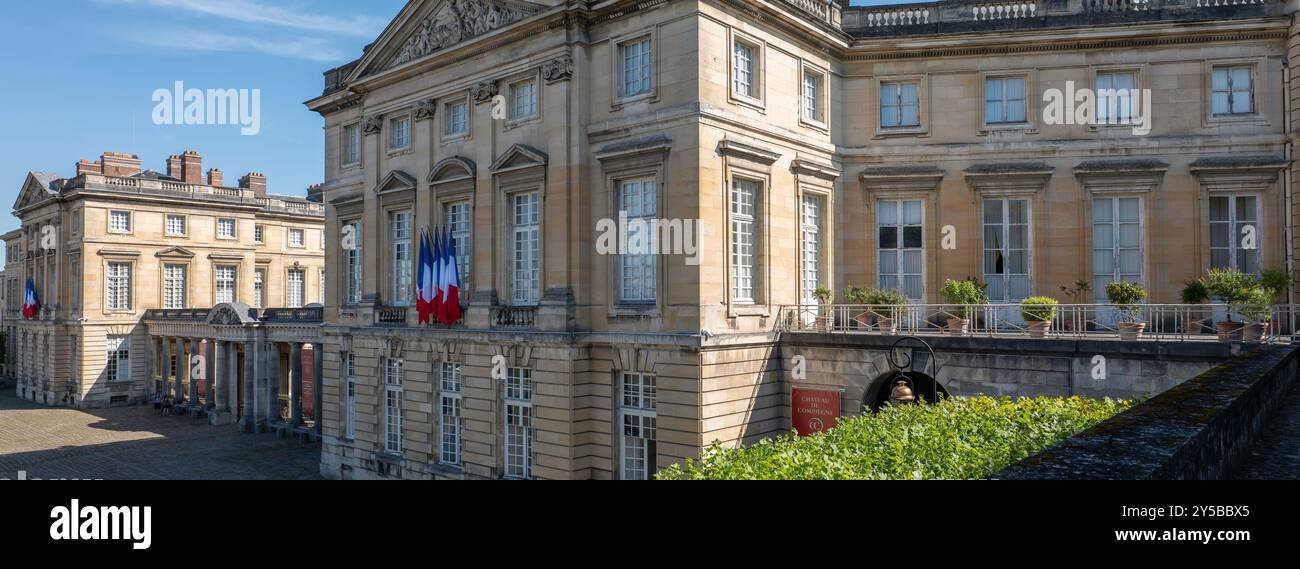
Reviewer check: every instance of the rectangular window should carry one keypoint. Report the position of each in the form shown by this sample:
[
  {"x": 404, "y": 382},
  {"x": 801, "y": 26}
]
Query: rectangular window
[
  {"x": 296, "y": 238},
  {"x": 456, "y": 121},
  {"x": 353, "y": 260},
  {"x": 461, "y": 225},
  {"x": 900, "y": 105},
  {"x": 175, "y": 225},
  {"x": 393, "y": 406},
  {"x": 811, "y": 238},
  {"x": 744, "y": 233},
  {"x": 1004, "y": 100},
  {"x": 259, "y": 234},
  {"x": 295, "y": 288},
  {"x": 638, "y": 201},
  {"x": 118, "y": 366},
  {"x": 1232, "y": 218},
  {"x": 526, "y": 288},
  {"x": 259, "y": 288},
  {"x": 174, "y": 286},
  {"x": 225, "y": 229},
  {"x": 1114, "y": 100},
  {"x": 812, "y": 92},
  {"x": 226, "y": 284},
  {"x": 1233, "y": 90},
  {"x": 399, "y": 227},
  {"x": 351, "y": 146},
  {"x": 322, "y": 286},
  {"x": 638, "y": 416},
  {"x": 350, "y": 398},
  {"x": 519, "y": 422},
  {"x": 119, "y": 221},
  {"x": 638, "y": 67},
  {"x": 743, "y": 69},
  {"x": 1116, "y": 243},
  {"x": 399, "y": 133},
  {"x": 523, "y": 99},
  {"x": 1007, "y": 250},
  {"x": 449, "y": 403},
  {"x": 900, "y": 249},
  {"x": 119, "y": 286}
]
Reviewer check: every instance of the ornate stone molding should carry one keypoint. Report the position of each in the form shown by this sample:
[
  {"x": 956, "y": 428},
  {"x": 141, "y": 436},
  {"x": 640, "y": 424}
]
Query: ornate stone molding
[
  {"x": 374, "y": 124},
  {"x": 826, "y": 172},
  {"x": 1013, "y": 178},
  {"x": 1137, "y": 175},
  {"x": 425, "y": 110},
  {"x": 558, "y": 69},
  {"x": 902, "y": 178},
  {"x": 733, "y": 149},
  {"x": 1238, "y": 173},
  {"x": 484, "y": 91},
  {"x": 455, "y": 22}
]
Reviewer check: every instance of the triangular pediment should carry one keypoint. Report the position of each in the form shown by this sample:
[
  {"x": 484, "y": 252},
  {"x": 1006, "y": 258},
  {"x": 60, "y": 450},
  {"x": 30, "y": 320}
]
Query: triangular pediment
[
  {"x": 175, "y": 253},
  {"x": 519, "y": 156},
  {"x": 395, "y": 181},
  {"x": 425, "y": 28},
  {"x": 36, "y": 189}
]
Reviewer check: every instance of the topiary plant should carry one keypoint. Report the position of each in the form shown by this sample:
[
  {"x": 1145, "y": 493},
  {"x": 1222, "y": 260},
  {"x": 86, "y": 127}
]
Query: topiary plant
[
  {"x": 1195, "y": 292},
  {"x": 1038, "y": 308},
  {"x": 889, "y": 299},
  {"x": 963, "y": 294},
  {"x": 1274, "y": 282},
  {"x": 1126, "y": 296}
]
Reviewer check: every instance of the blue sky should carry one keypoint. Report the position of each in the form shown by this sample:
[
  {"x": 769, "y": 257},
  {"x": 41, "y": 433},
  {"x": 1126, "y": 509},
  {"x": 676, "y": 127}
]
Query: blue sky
[{"x": 82, "y": 75}]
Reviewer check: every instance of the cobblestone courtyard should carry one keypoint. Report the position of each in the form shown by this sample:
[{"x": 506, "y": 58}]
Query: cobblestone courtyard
[{"x": 135, "y": 444}]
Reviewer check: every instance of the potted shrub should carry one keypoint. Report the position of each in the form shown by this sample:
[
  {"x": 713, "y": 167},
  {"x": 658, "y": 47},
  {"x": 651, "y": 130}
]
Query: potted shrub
[
  {"x": 855, "y": 295},
  {"x": 1238, "y": 290},
  {"x": 1078, "y": 294},
  {"x": 962, "y": 295},
  {"x": 825, "y": 321},
  {"x": 1255, "y": 308},
  {"x": 1038, "y": 312},
  {"x": 1195, "y": 293},
  {"x": 885, "y": 304},
  {"x": 1275, "y": 283},
  {"x": 1125, "y": 296}
]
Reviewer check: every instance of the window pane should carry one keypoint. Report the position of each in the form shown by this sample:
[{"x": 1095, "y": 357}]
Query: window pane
[
  {"x": 888, "y": 237},
  {"x": 912, "y": 237}
]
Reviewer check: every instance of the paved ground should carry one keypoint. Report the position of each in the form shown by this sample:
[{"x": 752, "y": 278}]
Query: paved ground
[
  {"x": 1277, "y": 456},
  {"x": 134, "y": 444}
]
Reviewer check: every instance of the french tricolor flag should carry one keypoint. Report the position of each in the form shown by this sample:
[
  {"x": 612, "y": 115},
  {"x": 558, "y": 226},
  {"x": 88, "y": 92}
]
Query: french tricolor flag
[
  {"x": 450, "y": 282},
  {"x": 31, "y": 304},
  {"x": 424, "y": 285}
]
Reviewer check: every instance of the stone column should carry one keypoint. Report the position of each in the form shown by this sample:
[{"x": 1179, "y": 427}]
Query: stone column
[
  {"x": 196, "y": 349},
  {"x": 232, "y": 378},
  {"x": 218, "y": 376},
  {"x": 249, "y": 423},
  {"x": 273, "y": 383},
  {"x": 318, "y": 384},
  {"x": 179, "y": 352},
  {"x": 166, "y": 374},
  {"x": 209, "y": 367},
  {"x": 295, "y": 383}
]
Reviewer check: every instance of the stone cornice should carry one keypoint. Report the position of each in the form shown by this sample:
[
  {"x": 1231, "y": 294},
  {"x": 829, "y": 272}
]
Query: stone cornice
[
  {"x": 732, "y": 148},
  {"x": 902, "y": 178},
  {"x": 1022, "y": 46}
]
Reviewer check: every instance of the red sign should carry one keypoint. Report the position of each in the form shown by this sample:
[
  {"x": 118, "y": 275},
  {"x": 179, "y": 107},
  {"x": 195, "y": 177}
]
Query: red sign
[{"x": 814, "y": 411}]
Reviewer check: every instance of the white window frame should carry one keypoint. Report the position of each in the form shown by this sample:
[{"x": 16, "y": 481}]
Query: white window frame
[
  {"x": 1003, "y": 100},
  {"x": 744, "y": 220},
  {"x": 301, "y": 241},
  {"x": 525, "y": 99},
  {"x": 517, "y": 421},
  {"x": 350, "y": 396},
  {"x": 401, "y": 227},
  {"x": 1005, "y": 247},
  {"x": 453, "y": 129},
  {"x": 1232, "y": 91},
  {"x": 459, "y": 217},
  {"x": 526, "y": 262},
  {"x": 259, "y": 288},
  {"x": 635, "y": 64},
  {"x": 117, "y": 366},
  {"x": 118, "y": 292},
  {"x": 393, "y": 395},
  {"x": 812, "y": 245},
  {"x": 813, "y": 106},
  {"x": 1105, "y": 79},
  {"x": 184, "y": 225},
  {"x": 637, "y": 273},
  {"x": 746, "y": 65},
  {"x": 234, "y": 228},
  {"x": 171, "y": 289},
  {"x": 1114, "y": 249},
  {"x": 899, "y": 251},
  {"x": 637, "y": 426},
  {"x": 259, "y": 233},
  {"x": 899, "y": 104},
  {"x": 225, "y": 279},
  {"x": 350, "y": 146},
  {"x": 120, "y": 221},
  {"x": 295, "y": 282},
  {"x": 355, "y": 272},
  {"x": 450, "y": 427},
  {"x": 399, "y": 138},
  {"x": 1235, "y": 225}
]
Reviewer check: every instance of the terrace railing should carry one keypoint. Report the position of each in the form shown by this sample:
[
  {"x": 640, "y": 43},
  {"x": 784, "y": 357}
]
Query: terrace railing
[{"x": 1163, "y": 322}]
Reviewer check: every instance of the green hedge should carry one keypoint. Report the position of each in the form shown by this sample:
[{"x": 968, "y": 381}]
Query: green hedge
[{"x": 960, "y": 438}]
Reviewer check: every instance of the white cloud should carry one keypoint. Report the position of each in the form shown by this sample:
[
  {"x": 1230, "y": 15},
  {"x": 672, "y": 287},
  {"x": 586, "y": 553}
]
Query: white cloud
[
  {"x": 254, "y": 12},
  {"x": 313, "y": 49}
]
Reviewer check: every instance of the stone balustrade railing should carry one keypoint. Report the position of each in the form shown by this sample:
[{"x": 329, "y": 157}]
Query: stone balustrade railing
[
  {"x": 1004, "y": 10},
  {"x": 168, "y": 187},
  {"x": 514, "y": 317},
  {"x": 976, "y": 15}
]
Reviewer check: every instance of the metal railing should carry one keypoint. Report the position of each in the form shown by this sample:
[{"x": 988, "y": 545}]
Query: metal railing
[{"x": 1163, "y": 322}]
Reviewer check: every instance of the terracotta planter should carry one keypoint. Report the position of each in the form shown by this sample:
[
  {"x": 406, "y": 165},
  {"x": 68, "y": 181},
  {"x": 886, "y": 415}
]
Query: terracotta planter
[
  {"x": 1253, "y": 332},
  {"x": 887, "y": 325},
  {"x": 1039, "y": 328},
  {"x": 958, "y": 326},
  {"x": 1129, "y": 331},
  {"x": 1229, "y": 332}
]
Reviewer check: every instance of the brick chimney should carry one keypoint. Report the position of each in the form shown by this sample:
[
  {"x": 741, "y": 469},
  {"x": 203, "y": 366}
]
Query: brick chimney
[
  {"x": 254, "y": 181},
  {"x": 118, "y": 164},
  {"x": 215, "y": 178},
  {"x": 192, "y": 167},
  {"x": 88, "y": 167},
  {"x": 174, "y": 167}
]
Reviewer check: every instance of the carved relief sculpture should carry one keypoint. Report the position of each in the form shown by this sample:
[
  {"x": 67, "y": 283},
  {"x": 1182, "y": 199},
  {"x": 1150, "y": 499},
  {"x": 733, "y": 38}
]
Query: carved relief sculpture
[
  {"x": 457, "y": 21},
  {"x": 558, "y": 69}
]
